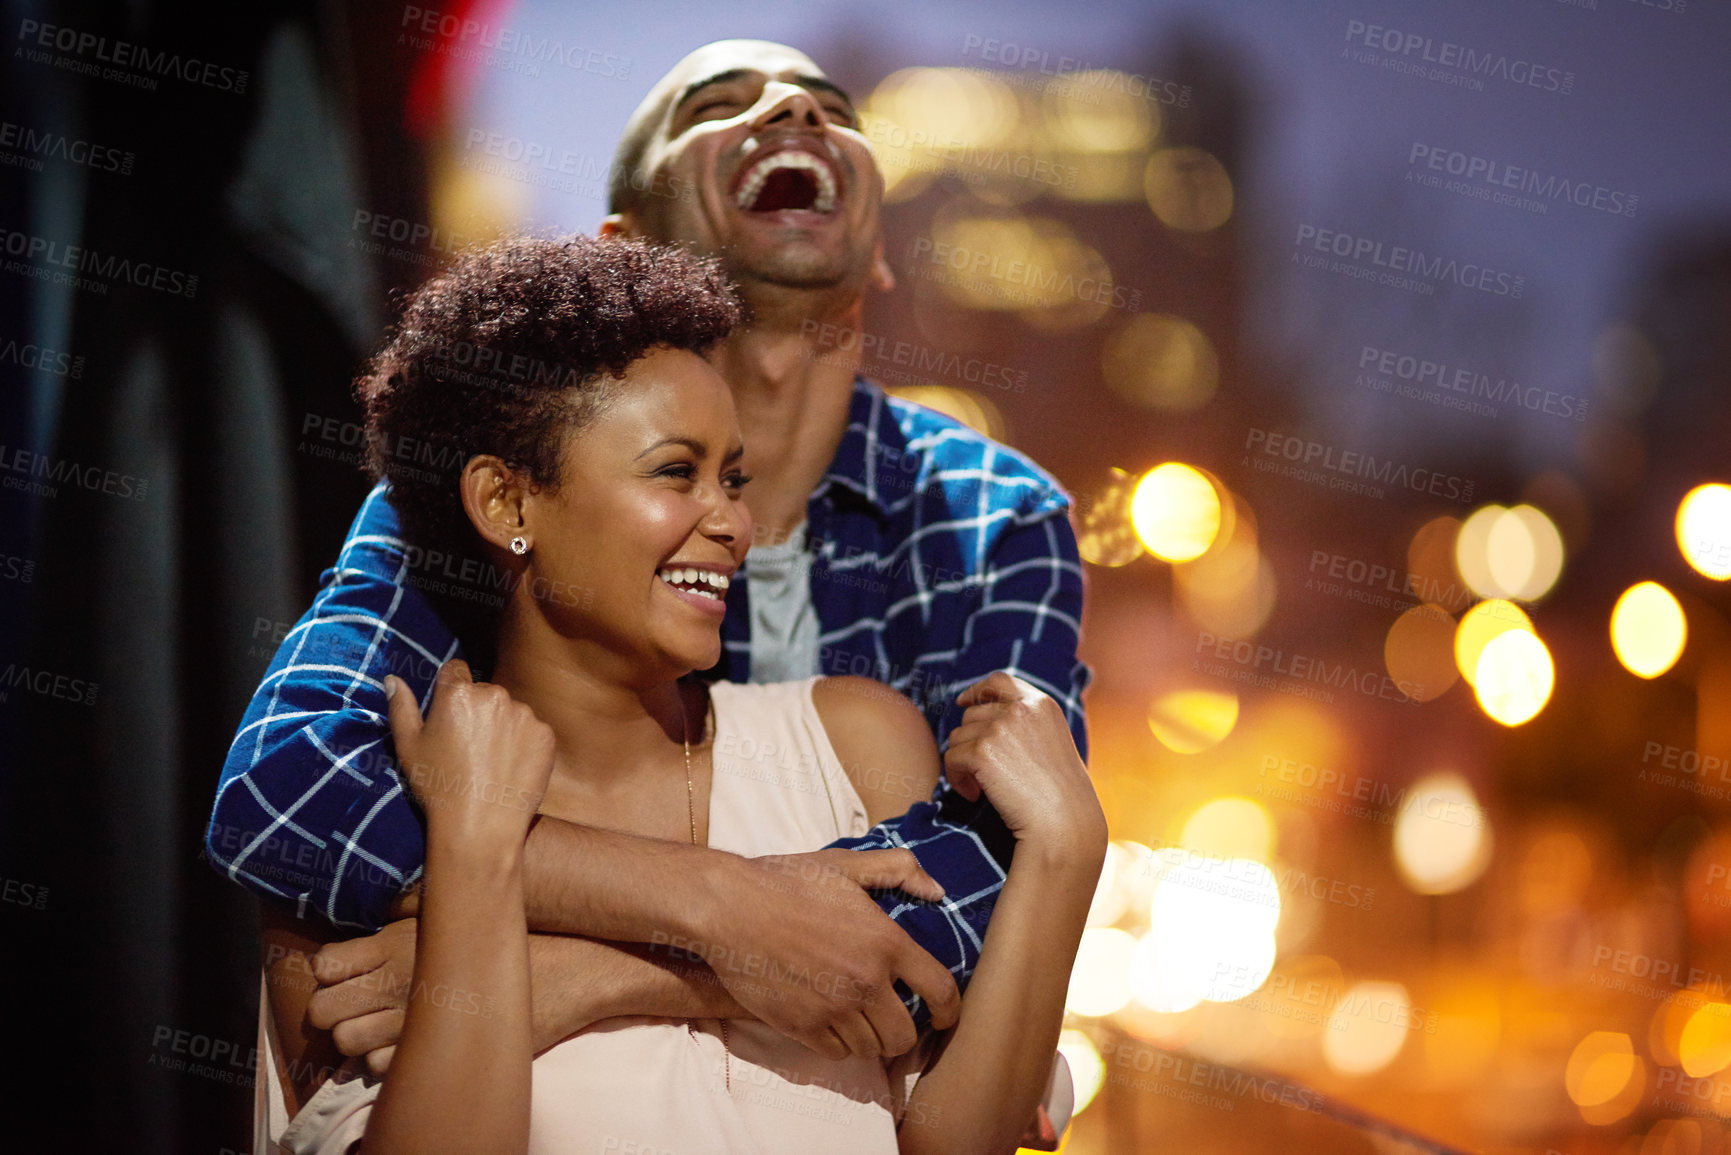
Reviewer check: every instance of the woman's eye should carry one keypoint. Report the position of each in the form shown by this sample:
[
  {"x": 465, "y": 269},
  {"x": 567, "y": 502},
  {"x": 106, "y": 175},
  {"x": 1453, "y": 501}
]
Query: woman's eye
[
  {"x": 736, "y": 480},
  {"x": 683, "y": 471}
]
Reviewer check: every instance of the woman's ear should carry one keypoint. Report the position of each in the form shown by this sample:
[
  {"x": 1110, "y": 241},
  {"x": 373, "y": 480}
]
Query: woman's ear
[{"x": 494, "y": 495}]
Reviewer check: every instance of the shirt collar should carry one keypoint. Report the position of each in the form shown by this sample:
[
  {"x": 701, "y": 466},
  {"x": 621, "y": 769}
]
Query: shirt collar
[{"x": 871, "y": 443}]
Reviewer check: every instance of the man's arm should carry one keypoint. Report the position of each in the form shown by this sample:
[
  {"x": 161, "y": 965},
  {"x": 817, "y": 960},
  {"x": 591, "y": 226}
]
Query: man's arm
[
  {"x": 310, "y": 807},
  {"x": 1028, "y": 622}
]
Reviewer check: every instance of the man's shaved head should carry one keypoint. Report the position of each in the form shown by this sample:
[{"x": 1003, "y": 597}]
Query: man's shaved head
[{"x": 625, "y": 181}]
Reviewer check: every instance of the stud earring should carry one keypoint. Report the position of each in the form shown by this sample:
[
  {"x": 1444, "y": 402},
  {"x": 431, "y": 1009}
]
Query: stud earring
[{"x": 519, "y": 545}]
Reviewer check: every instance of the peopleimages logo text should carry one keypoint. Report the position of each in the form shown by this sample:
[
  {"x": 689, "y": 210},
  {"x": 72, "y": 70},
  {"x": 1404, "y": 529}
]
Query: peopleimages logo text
[
  {"x": 1462, "y": 58},
  {"x": 1370, "y": 255},
  {"x": 1491, "y": 174}
]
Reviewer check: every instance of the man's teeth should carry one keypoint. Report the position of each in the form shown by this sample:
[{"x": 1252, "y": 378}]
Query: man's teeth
[
  {"x": 825, "y": 202},
  {"x": 703, "y": 582}
]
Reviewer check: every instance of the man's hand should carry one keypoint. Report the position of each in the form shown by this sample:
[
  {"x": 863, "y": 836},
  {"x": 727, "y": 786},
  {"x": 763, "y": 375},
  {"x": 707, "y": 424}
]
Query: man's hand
[
  {"x": 798, "y": 942},
  {"x": 363, "y": 991}
]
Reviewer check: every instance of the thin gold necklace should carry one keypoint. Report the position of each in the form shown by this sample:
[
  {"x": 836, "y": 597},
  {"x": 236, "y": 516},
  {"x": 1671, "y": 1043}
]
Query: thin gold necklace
[{"x": 691, "y": 814}]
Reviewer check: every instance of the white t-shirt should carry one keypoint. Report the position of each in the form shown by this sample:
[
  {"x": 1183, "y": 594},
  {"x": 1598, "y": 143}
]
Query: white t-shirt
[{"x": 783, "y": 620}]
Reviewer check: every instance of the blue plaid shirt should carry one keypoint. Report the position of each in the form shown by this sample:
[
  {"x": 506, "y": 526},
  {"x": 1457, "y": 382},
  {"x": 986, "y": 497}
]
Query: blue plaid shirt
[{"x": 939, "y": 556}]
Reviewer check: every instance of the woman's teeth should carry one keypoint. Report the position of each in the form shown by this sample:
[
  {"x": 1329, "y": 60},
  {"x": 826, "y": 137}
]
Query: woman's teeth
[{"x": 703, "y": 582}]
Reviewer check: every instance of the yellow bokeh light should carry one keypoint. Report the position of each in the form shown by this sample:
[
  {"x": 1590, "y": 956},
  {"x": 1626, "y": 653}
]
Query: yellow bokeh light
[
  {"x": 1176, "y": 512},
  {"x": 1478, "y": 626},
  {"x": 1087, "y": 1068},
  {"x": 1191, "y": 721},
  {"x": 1100, "y": 978},
  {"x": 1419, "y": 652},
  {"x": 1525, "y": 553},
  {"x": 1104, "y": 536},
  {"x": 1034, "y": 266},
  {"x": 1112, "y": 891},
  {"x": 1230, "y": 590},
  {"x": 1514, "y": 677},
  {"x": 1232, "y": 827},
  {"x": 1159, "y": 361},
  {"x": 1188, "y": 189},
  {"x": 1648, "y": 629},
  {"x": 1704, "y": 530},
  {"x": 919, "y": 120},
  {"x": 1210, "y": 931},
  {"x": 1665, "y": 1032},
  {"x": 1442, "y": 841},
  {"x": 1367, "y": 1028},
  {"x": 1704, "y": 1047},
  {"x": 1089, "y": 112},
  {"x": 964, "y": 405},
  {"x": 1599, "y": 1068},
  {"x": 1509, "y": 553}
]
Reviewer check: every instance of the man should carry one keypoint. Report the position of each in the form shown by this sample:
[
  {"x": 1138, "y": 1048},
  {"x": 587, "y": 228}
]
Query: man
[{"x": 892, "y": 543}]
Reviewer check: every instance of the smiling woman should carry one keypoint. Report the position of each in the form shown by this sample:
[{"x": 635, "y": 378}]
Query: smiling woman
[{"x": 549, "y": 329}]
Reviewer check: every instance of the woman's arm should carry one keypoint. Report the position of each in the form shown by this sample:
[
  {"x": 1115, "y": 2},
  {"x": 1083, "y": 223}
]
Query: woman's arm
[
  {"x": 1014, "y": 743},
  {"x": 479, "y": 765}
]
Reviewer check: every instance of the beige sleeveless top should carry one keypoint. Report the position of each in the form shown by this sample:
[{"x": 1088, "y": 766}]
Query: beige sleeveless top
[{"x": 650, "y": 1085}]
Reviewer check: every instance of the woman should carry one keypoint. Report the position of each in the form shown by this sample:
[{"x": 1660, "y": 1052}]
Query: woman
[{"x": 631, "y": 443}]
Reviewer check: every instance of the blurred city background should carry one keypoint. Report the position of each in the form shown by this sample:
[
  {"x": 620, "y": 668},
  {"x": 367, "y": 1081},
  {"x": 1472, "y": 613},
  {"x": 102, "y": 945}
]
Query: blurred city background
[{"x": 1384, "y": 350}]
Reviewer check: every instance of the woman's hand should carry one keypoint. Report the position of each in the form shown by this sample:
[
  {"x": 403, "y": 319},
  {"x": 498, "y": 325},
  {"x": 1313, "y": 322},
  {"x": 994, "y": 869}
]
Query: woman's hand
[
  {"x": 479, "y": 762},
  {"x": 1015, "y": 744}
]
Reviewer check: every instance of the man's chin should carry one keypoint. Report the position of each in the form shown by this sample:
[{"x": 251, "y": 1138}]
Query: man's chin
[{"x": 791, "y": 270}]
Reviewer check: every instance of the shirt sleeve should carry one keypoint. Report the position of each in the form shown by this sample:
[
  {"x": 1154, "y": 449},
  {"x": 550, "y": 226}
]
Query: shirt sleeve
[
  {"x": 310, "y": 807},
  {"x": 1028, "y": 621}
]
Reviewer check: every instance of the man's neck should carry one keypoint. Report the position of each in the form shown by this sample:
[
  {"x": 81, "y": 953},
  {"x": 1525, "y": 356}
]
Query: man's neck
[{"x": 792, "y": 380}]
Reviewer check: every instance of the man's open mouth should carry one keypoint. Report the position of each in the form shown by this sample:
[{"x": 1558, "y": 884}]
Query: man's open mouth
[{"x": 789, "y": 179}]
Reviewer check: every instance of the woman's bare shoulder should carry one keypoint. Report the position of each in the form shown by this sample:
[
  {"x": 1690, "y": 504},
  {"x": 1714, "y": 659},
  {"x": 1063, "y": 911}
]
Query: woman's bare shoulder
[{"x": 883, "y": 742}]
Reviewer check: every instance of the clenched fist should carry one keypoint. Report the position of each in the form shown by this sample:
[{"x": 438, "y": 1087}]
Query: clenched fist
[
  {"x": 1014, "y": 743},
  {"x": 480, "y": 760}
]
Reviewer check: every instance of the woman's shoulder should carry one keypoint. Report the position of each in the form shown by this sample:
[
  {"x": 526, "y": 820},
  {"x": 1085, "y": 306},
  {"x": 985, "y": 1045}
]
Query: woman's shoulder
[{"x": 881, "y": 739}]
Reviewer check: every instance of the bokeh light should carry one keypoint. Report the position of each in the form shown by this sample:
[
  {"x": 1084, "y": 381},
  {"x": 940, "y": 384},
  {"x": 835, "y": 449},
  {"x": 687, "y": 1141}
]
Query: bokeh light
[
  {"x": 1175, "y": 511},
  {"x": 970, "y": 408},
  {"x": 919, "y": 119},
  {"x": 1419, "y": 652},
  {"x": 999, "y": 260},
  {"x": 1704, "y": 1047},
  {"x": 1191, "y": 721},
  {"x": 1087, "y": 112},
  {"x": 1514, "y": 677},
  {"x": 1163, "y": 362},
  {"x": 1478, "y": 626},
  {"x": 1367, "y": 1028},
  {"x": 1600, "y": 1071},
  {"x": 1188, "y": 189},
  {"x": 1100, "y": 978},
  {"x": 1104, "y": 535},
  {"x": 1648, "y": 629},
  {"x": 1087, "y": 1068},
  {"x": 1704, "y": 530},
  {"x": 1231, "y": 827},
  {"x": 1112, "y": 891},
  {"x": 1231, "y": 589},
  {"x": 1210, "y": 931},
  {"x": 1442, "y": 840},
  {"x": 1509, "y": 553}
]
